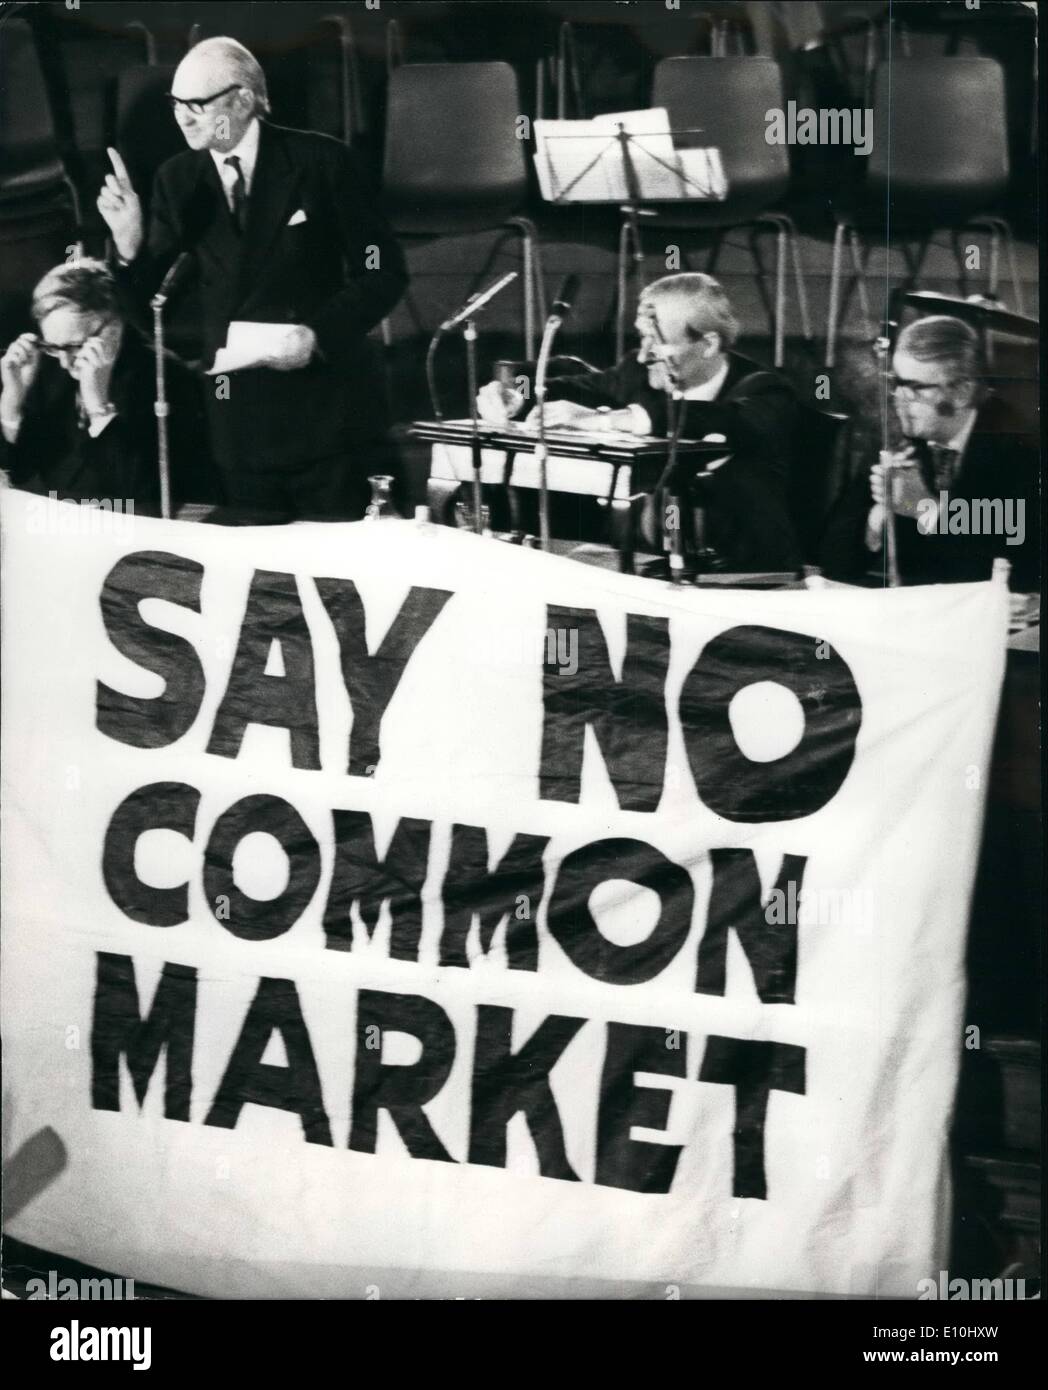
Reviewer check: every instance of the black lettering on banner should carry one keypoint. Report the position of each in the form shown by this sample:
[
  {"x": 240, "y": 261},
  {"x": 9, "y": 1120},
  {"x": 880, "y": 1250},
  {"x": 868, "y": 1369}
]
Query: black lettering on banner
[
  {"x": 250, "y": 1081},
  {"x": 471, "y": 891},
  {"x": 628, "y": 716},
  {"x": 159, "y": 806},
  {"x": 153, "y": 721},
  {"x": 507, "y": 1082},
  {"x": 401, "y": 1090},
  {"x": 803, "y": 780},
  {"x": 371, "y": 680},
  {"x": 636, "y": 1164},
  {"x": 754, "y": 1069},
  {"x": 118, "y": 1030},
  {"x": 273, "y": 614},
  {"x": 255, "y": 919},
  {"x": 735, "y": 901},
  {"x": 573, "y": 925},
  {"x": 360, "y": 877}
]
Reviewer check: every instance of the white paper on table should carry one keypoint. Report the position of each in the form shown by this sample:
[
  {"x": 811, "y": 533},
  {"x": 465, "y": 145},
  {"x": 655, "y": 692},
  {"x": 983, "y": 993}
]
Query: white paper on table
[{"x": 249, "y": 345}]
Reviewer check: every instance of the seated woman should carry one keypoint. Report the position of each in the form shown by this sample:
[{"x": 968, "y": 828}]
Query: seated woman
[{"x": 76, "y": 400}]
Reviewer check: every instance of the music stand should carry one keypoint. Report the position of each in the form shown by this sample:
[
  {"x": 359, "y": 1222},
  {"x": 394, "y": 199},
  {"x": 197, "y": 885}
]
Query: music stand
[{"x": 689, "y": 174}]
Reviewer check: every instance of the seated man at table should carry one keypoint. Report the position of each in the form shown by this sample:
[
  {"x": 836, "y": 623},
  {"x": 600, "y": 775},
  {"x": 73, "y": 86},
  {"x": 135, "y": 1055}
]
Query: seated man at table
[
  {"x": 685, "y": 375},
  {"x": 76, "y": 404},
  {"x": 965, "y": 480}
]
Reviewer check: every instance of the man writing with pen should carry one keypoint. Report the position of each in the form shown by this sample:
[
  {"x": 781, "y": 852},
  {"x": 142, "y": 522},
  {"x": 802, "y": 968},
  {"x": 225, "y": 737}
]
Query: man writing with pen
[{"x": 686, "y": 376}]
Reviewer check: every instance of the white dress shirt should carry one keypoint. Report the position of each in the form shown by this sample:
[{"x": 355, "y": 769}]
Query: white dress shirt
[
  {"x": 705, "y": 391},
  {"x": 247, "y": 152}
]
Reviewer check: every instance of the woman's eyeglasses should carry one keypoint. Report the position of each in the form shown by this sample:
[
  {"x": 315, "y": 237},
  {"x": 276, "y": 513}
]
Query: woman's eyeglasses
[{"x": 197, "y": 105}]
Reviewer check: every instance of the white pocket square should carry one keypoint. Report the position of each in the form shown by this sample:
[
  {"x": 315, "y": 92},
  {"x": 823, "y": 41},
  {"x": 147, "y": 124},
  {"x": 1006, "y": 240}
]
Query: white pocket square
[{"x": 296, "y": 218}]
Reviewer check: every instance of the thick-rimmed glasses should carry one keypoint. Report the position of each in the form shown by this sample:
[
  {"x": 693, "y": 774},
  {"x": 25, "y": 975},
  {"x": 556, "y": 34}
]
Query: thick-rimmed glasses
[
  {"x": 905, "y": 390},
  {"x": 197, "y": 105},
  {"x": 57, "y": 349}
]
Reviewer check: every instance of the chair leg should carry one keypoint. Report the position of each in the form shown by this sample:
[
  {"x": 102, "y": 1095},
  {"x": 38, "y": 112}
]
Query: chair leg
[
  {"x": 780, "y": 294},
  {"x": 1013, "y": 266},
  {"x": 620, "y": 303},
  {"x": 835, "y": 294},
  {"x": 628, "y": 238},
  {"x": 958, "y": 256},
  {"x": 715, "y": 250},
  {"x": 798, "y": 272},
  {"x": 855, "y": 246},
  {"x": 995, "y": 260},
  {"x": 532, "y": 295}
]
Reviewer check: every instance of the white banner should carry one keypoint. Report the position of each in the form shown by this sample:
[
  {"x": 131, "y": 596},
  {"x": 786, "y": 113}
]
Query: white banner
[{"x": 390, "y": 912}]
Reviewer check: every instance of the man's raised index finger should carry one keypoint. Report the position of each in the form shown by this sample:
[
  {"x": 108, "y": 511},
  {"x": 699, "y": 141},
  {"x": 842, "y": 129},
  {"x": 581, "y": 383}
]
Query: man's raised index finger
[{"x": 119, "y": 167}]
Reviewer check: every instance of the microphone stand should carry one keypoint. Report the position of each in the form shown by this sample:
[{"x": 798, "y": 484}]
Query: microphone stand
[
  {"x": 541, "y": 451},
  {"x": 161, "y": 409},
  {"x": 891, "y": 550},
  {"x": 469, "y": 334}
]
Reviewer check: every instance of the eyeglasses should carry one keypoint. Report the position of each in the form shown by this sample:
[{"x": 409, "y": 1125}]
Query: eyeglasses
[
  {"x": 57, "y": 349},
  {"x": 197, "y": 104},
  {"x": 918, "y": 390}
]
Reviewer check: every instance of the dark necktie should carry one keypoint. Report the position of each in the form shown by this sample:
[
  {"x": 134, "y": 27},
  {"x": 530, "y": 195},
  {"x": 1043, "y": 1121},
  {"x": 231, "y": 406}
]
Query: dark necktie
[
  {"x": 944, "y": 466},
  {"x": 239, "y": 192}
]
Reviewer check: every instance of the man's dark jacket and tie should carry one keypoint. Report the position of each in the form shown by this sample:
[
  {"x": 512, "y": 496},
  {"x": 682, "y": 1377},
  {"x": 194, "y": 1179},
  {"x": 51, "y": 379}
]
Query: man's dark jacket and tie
[
  {"x": 314, "y": 249},
  {"x": 756, "y": 410},
  {"x": 1000, "y": 460}
]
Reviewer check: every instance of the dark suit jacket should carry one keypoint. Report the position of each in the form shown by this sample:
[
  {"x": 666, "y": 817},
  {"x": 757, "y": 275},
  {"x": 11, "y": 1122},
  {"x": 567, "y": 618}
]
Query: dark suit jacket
[
  {"x": 54, "y": 452},
  {"x": 755, "y": 409},
  {"x": 338, "y": 270},
  {"x": 748, "y": 512},
  {"x": 1000, "y": 461}
]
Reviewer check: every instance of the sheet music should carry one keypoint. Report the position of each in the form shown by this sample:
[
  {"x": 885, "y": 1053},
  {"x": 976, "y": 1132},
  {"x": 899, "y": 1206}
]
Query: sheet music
[{"x": 581, "y": 161}]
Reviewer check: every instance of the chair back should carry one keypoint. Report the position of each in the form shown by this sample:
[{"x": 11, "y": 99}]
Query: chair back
[
  {"x": 939, "y": 134},
  {"x": 818, "y": 475},
  {"x": 452, "y": 157},
  {"x": 728, "y": 99},
  {"x": 146, "y": 133},
  {"x": 30, "y": 162}
]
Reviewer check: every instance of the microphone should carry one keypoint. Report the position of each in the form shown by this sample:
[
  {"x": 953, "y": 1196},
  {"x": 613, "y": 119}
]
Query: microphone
[
  {"x": 477, "y": 301},
  {"x": 172, "y": 277},
  {"x": 565, "y": 300}
]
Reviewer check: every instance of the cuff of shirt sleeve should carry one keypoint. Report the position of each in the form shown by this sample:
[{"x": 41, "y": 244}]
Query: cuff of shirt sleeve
[{"x": 640, "y": 420}]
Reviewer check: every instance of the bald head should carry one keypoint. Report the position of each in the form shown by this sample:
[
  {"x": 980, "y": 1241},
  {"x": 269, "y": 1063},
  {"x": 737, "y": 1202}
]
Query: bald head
[{"x": 229, "y": 87}]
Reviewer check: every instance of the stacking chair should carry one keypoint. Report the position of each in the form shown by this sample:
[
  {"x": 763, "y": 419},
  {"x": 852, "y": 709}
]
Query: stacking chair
[
  {"x": 727, "y": 100},
  {"x": 939, "y": 160},
  {"x": 33, "y": 176},
  {"x": 454, "y": 165},
  {"x": 145, "y": 133}
]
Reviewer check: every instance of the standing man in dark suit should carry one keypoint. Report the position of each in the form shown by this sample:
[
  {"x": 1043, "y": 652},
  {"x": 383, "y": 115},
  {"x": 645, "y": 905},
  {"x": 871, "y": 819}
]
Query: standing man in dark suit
[
  {"x": 279, "y": 229},
  {"x": 965, "y": 481},
  {"x": 687, "y": 376}
]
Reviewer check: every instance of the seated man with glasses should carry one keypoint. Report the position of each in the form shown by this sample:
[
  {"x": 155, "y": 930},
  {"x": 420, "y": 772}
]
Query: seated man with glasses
[
  {"x": 279, "y": 228},
  {"x": 965, "y": 479},
  {"x": 76, "y": 400},
  {"x": 687, "y": 377}
]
